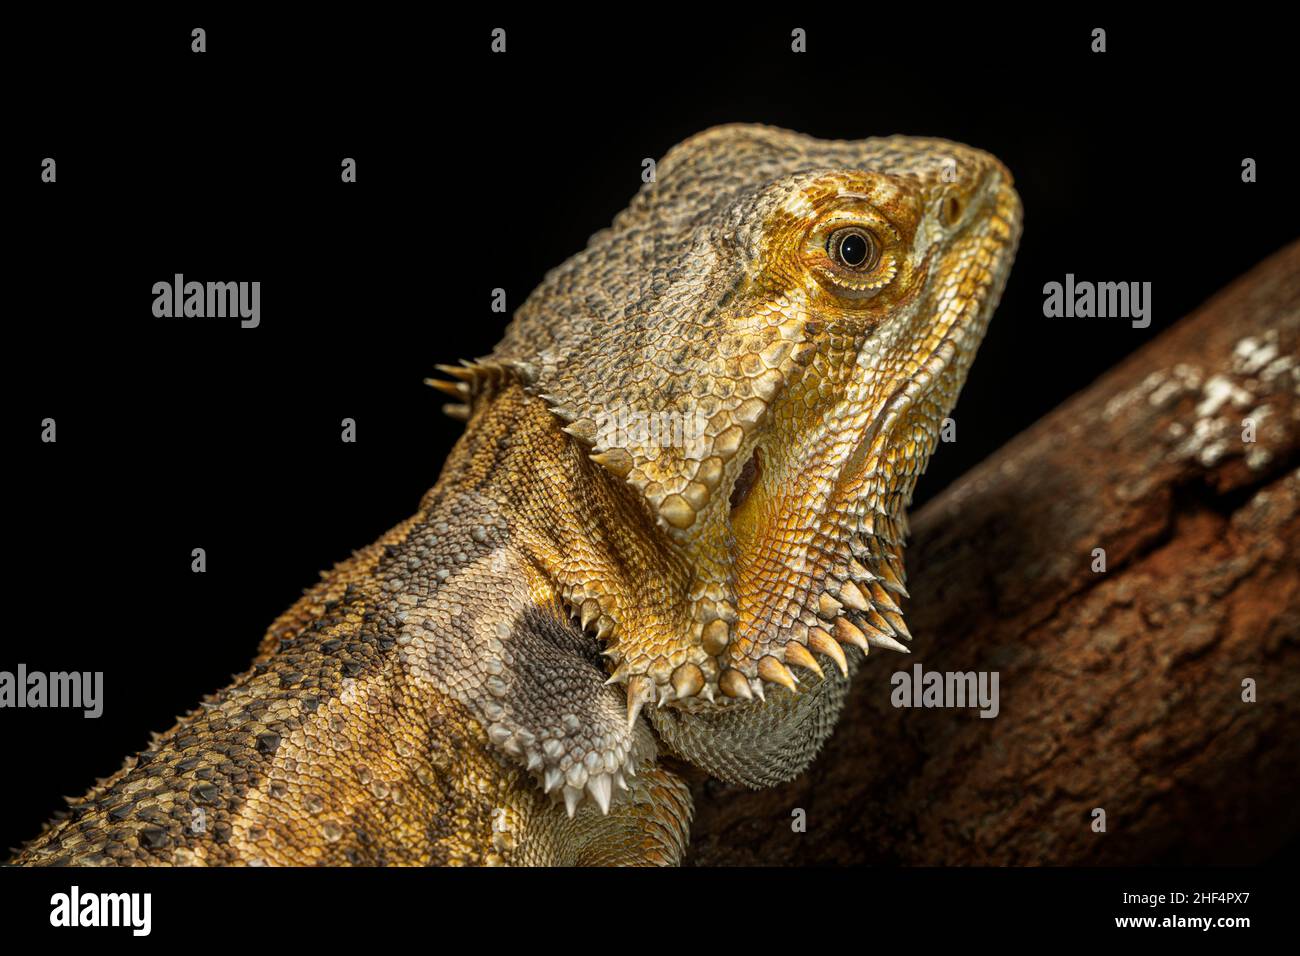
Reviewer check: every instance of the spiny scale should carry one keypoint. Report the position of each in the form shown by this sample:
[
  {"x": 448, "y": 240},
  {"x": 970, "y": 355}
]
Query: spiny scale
[{"x": 861, "y": 612}]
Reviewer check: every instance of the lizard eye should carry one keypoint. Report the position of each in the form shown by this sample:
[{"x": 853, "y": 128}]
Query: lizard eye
[
  {"x": 852, "y": 258},
  {"x": 854, "y": 248}
]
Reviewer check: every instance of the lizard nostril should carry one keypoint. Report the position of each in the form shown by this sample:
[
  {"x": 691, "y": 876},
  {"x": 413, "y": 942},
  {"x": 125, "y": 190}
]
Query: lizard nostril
[{"x": 745, "y": 480}]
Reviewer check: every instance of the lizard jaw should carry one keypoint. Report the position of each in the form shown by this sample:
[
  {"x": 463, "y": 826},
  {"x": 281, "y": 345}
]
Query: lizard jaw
[{"x": 854, "y": 597}]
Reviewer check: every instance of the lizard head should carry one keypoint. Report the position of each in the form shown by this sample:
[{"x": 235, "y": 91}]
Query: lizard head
[{"x": 756, "y": 359}]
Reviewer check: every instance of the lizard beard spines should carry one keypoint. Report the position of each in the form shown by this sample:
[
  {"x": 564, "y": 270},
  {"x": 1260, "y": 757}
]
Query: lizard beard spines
[{"x": 854, "y": 606}]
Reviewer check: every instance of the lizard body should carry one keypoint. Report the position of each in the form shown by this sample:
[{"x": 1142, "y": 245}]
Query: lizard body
[{"x": 673, "y": 526}]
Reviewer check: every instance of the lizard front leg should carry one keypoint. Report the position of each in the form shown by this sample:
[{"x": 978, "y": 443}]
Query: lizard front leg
[
  {"x": 545, "y": 769},
  {"x": 647, "y": 826},
  {"x": 484, "y": 808}
]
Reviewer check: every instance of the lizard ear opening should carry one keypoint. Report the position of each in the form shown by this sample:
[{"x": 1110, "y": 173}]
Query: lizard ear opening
[
  {"x": 746, "y": 480},
  {"x": 951, "y": 209}
]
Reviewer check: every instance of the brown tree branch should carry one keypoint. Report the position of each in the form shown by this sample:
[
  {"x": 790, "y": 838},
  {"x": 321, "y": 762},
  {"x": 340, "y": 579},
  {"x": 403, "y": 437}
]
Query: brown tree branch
[{"x": 1120, "y": 690}]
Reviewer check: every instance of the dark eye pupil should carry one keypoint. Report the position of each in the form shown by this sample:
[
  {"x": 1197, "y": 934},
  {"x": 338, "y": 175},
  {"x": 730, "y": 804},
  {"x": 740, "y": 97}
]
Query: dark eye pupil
[{"x": 853, "y": 249}]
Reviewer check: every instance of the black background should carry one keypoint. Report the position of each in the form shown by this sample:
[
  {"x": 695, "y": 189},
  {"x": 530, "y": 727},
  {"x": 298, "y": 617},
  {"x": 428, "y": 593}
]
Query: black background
[{"x": 476, "y": 171}]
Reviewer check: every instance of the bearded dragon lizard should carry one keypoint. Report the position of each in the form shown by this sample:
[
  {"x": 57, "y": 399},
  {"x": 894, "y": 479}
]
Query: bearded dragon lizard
[{"x": 673, "y": 526}]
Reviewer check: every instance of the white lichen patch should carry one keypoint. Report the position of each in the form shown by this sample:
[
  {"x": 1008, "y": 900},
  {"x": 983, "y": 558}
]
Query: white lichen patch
[
  {"x": 1219, "y": 391},
  {"x": 1257, "y": 458},
  {"x": 1261, "y": 356},
  {"x": 1253, "y": 353},
  {"x": 1216, "y": 428},
  {"x": 1161, "y": 388},
  {"x": 1285, "y": 363},
  {"x": 1208, "y": 442}
]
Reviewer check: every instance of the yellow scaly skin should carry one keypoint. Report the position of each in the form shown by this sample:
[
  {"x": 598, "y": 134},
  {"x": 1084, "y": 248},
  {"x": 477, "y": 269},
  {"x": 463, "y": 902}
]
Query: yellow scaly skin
[{"x": 680, "y": 496}]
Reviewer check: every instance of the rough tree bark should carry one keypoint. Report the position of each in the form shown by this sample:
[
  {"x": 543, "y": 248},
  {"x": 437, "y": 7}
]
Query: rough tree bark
[{"x": 1120, "y": 690}]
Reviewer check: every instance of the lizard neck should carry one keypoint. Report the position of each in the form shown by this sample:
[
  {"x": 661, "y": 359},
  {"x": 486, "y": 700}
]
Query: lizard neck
[
  {"x": 475, "y": 593},
  {"x": 587, "y": 546}
]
